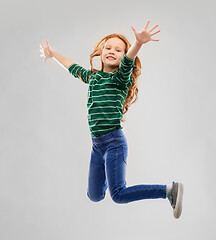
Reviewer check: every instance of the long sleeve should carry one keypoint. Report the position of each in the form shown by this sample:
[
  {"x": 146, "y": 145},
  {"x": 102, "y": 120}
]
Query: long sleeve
[
  {"x": 79, "y": 72},
  {"x": 123, "y": 74}
]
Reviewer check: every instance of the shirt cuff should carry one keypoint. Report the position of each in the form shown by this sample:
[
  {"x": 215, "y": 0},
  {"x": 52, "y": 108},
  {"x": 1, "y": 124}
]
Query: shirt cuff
[
  {"x": 128, "y": 60},
  {"x": 70, "y": 68}
]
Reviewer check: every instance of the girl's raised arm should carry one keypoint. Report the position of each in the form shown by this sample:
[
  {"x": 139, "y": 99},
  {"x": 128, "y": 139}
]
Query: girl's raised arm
[
  {"x": 48, "y": 52},
  {"x": 141, "y": 37}
]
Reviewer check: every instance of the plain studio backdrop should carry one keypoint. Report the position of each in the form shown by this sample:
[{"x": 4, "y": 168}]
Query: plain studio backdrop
[{"x": 45, "y": 143}]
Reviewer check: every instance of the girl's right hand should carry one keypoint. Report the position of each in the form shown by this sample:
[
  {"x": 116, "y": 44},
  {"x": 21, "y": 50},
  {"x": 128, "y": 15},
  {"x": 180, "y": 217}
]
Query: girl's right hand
[{"x": 47, "y": 52}]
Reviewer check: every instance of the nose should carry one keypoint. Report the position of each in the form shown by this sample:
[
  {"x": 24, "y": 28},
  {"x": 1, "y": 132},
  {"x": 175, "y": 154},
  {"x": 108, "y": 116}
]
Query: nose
[{"x": 111, "y": 52}]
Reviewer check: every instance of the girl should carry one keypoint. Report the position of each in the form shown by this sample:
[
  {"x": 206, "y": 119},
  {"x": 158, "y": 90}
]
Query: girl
[{"x": 110, "y": 93}]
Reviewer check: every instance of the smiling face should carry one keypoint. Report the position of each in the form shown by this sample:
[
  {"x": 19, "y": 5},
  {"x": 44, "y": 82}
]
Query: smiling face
[{"x": 112, "y": 53}]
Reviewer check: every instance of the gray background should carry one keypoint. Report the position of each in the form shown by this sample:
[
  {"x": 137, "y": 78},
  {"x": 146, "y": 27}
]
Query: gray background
[{"x": 45, "y": 142}]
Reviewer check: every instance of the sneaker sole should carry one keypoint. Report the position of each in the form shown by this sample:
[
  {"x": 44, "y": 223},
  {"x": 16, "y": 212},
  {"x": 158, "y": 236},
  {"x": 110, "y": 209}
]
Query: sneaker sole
[{"x": 178, "y": 208}]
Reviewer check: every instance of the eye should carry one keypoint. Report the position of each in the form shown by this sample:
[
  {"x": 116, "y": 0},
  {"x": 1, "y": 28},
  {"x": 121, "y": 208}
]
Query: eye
[{"x": 118, "y": 50}]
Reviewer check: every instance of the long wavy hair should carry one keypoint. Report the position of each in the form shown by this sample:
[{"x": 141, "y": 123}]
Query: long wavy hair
[{"x": 133, "y": 89}]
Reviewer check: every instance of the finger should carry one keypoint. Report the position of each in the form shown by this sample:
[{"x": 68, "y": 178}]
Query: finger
[
  {"x": 153, "y": 28},
  {"x": 133, "y": 29},
  {"x": 41, "y": 46},
  {"x": 155, "y": 33},
  {"x": 153, "y": 39},
  {"x": 146, "y": 24},
  {"x": 47, "y": 43}
]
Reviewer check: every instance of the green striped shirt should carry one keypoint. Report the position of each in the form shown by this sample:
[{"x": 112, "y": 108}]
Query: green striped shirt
[{"x": 106, "y": 95}]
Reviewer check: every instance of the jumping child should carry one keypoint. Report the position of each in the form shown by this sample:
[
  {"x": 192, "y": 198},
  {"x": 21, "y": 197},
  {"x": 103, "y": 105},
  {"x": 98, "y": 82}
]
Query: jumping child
[{"x": 110, "y": 93}]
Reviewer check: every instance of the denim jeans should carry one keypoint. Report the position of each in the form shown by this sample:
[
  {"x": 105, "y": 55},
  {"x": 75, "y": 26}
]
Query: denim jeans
[{"x": 108, "y": 170}]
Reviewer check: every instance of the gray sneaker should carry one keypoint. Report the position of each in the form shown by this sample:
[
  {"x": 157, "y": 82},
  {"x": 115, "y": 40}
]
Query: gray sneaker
[{"x": 175, "y": 197}]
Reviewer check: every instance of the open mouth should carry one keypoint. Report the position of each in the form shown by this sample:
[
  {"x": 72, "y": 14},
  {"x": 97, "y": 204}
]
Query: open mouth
[{"x": 111, "y": 58}]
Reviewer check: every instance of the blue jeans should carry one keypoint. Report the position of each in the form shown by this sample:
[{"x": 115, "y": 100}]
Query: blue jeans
[{"x": 108, "y": 169}]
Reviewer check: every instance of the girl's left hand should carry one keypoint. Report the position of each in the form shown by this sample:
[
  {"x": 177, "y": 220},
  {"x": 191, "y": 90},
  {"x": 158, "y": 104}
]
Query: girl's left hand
[{"x": 145, "y": 35}]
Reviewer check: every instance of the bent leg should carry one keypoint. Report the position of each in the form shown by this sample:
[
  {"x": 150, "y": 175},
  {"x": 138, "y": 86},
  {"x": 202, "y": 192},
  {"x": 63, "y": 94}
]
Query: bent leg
[
  {"x": 96, "y": 179},
  {"x": 115, "y": 163}
]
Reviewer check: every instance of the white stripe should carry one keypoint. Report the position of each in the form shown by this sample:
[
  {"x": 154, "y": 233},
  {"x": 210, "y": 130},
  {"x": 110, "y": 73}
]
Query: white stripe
[
  {"x": 76, "y": 72},
  {"x": 102, "y": 129},
  {"x": 106, "y": 101},
  {"x": 124, "y": 81},
  {"x": 105, "y": 113},
  {"x": 102, "y": 76},
  {"x": 99, "y": 84},
  {"x": 106, "y": 124},
  {"x": 103, "y": 119},
  {"x": 125, "y": 73},
  {"x": 126, "y": 65},
  {"x": 107, "y": 90},
  {"x": 106, "y": 96},
  {"x": 122, "y": 66},
  {"x": 107, "y": 107}
]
